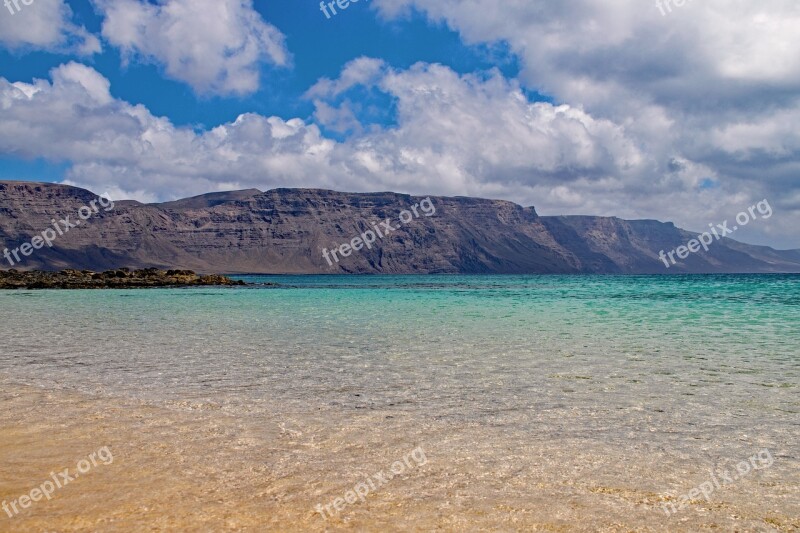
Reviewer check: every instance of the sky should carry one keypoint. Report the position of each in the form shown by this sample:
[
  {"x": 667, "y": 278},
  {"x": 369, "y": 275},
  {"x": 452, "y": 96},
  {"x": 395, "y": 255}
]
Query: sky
[{"x": 632, "y": 108}]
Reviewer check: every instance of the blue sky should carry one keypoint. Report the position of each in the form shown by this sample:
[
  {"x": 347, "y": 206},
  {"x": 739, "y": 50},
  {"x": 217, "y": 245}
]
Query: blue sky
[
  {"x": 617, "y": 109},
  {"x": 320, "y": 48}
]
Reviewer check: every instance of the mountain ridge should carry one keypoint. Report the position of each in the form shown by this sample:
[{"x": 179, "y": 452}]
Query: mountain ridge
[{"x": 283, "y": 231}]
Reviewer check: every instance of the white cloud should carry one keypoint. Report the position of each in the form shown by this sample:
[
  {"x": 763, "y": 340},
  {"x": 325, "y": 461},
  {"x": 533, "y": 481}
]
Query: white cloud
[
  {"x": 714, "y": 83},
  {"x": 44, "y": 25},
  {"x": 571, "y": 48},
  {"x": 216, "y": 46},
  {"x": 474, "y": 131},
  {"x": 492, "y": 133},
  {"x": 775, "y": 133},
  {"x": 361, "y": 71}
]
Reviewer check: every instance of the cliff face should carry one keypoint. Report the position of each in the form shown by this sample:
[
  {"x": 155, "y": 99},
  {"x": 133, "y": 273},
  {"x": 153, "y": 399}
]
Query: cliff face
[{"x": 285, "y": 231}]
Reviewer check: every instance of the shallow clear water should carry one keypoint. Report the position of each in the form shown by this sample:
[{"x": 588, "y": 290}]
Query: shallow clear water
[
  {"x": 457, "y": 345},
  {"x": 675, "y": 366}
]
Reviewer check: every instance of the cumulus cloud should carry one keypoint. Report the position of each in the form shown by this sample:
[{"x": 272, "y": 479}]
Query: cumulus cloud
[
  {"x": 333, "y": 109},
  {"x": 45, "y": 25},
  {"x": 361, "y": 71},
  {"x": 216, "y": 46},
  {"x": 473, "y": 131},
  {"x": 113, "y": 144},
  {"x": 680, "y": 75},
  {"x": 572, "y": 48},
  {"x": 713, "y": 83},
  {"x": 476, "y": 133}
]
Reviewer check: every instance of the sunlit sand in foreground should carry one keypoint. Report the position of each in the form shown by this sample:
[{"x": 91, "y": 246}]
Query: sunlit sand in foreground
[{"x": 194, "y": 467}]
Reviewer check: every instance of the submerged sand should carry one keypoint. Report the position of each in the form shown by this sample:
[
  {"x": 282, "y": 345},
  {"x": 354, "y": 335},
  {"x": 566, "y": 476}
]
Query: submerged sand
[{"x": 197, "y": 467}]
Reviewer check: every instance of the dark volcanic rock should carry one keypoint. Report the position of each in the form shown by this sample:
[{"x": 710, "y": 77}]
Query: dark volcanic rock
[
  {"x": 122, "y": 278},
  {"x": 284, "y": 231}
]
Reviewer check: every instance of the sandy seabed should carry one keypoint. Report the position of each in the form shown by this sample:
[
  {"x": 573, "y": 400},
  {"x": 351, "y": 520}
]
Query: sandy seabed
[{"x": 192, "y": 466}]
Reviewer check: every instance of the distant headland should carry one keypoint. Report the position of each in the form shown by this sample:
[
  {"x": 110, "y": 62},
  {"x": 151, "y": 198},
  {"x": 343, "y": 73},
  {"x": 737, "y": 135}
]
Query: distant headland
[{"x": 48, "y": 226}]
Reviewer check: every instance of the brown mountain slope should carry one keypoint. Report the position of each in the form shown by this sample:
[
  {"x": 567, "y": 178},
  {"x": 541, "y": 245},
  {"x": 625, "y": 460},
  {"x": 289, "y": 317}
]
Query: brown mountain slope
[{"x": 285, "y": 231}]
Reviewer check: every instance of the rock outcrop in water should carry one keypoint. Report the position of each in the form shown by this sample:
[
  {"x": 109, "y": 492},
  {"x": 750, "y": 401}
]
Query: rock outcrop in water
[
  {"x": 285, "y": 230},
  {"x": 122, "y": 278}
]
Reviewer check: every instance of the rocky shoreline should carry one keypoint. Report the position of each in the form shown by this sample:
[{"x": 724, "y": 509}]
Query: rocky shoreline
[{"x": 122, "y": 278}]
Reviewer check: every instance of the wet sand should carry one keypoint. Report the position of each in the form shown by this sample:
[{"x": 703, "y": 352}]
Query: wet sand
[{"x": 194, "y": 467}]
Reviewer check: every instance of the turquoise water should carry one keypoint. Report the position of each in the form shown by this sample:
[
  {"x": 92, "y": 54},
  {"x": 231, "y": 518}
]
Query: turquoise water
[
  {"x": 668, "y": 375},
  {"x": 401, "y": 337}
]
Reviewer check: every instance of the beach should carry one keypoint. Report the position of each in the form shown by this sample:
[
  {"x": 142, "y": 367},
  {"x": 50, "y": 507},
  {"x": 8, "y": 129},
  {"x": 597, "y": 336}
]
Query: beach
[
  {"x": 529, "y": 416},
  {"x": 195, "y": 468}
]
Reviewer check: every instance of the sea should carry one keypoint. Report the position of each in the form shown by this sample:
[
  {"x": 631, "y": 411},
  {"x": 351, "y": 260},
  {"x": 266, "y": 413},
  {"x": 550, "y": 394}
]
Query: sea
[{"x": 580, "y": 384}]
